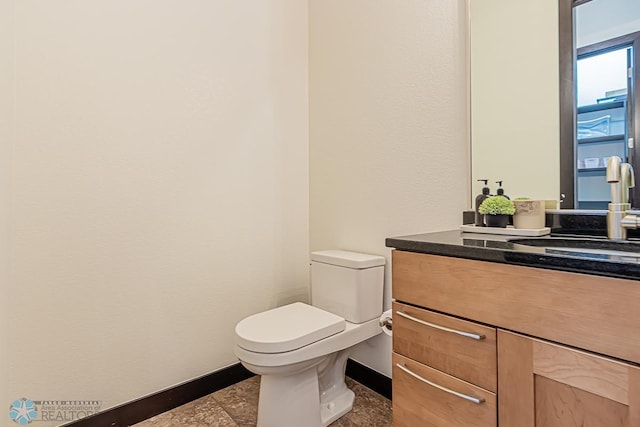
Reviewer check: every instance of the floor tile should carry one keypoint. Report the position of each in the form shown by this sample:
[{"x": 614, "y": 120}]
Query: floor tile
[
  {"x": 237, "y": 406},
  {"x": 240, "y": 401},
  {"x": 344, "y": 421},
  {"x": 370, "y": 409},
  {"x": 204, "y": 412}
]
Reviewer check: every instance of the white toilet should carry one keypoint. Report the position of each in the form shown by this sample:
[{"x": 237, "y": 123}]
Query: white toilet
[{"x": 301, "y": 350}]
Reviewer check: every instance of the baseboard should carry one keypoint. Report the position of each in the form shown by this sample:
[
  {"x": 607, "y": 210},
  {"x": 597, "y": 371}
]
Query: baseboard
[
  {"x": 369, "y": 378},
  {"x": 157, "y": 403},
  {"x": 166, "y": 400}
]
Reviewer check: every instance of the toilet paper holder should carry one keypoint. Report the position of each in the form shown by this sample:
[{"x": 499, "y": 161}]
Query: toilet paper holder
[{"x": 386, "y": 323}]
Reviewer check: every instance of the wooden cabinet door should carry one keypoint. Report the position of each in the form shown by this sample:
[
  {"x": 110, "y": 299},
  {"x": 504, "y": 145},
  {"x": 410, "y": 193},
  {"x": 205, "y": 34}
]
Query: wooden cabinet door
[{"x": 547, "y": 385}]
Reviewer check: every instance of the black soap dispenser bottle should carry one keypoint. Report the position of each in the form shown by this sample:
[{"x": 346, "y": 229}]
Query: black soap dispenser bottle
[
  {"x": 500, "y": 190},
  {"x": 479, "y": 199}
]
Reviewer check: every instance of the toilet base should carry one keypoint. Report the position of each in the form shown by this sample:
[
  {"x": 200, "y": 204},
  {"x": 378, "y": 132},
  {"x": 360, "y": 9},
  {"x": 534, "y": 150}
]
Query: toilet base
[
  {"x": 289, "y": 401},
  {"x": 314, "y": 396},
  {"x": 292, "y": 401},
  {"x": 335, "y": 398},
  {"x": 340, "y": 405}
]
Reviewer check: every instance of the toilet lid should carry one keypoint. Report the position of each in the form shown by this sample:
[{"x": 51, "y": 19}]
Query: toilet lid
[{"x": 287, "y": 328}]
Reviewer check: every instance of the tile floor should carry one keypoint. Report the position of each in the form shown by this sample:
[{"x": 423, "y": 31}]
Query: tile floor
[{"x": 237, "y": 406}]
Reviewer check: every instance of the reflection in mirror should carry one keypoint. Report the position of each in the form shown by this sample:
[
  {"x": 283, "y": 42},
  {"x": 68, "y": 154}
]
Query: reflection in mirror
[
  {"x": 608, "y": 42},
  {"x": 514, "y": 96},
  {"x": 602, "y": 92},
  {"x": 522, "y": 91}
]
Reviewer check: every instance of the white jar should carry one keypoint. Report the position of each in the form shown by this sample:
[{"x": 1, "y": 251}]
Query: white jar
[{"x": 529, "y": 214}]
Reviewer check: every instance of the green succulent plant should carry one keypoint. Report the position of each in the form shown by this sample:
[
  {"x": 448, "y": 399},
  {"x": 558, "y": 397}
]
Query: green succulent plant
[{"x": 497, "y": 205}]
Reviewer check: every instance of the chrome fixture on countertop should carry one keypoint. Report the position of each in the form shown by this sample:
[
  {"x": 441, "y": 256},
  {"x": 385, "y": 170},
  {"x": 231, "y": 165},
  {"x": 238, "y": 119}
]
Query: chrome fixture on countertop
[{"x": 619, "y": 217}]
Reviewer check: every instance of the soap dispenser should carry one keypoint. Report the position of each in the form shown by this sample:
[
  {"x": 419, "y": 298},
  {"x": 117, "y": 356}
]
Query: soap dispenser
[
  {"x": 479, "y": 199},
  {"x": 500, "y": 190}
]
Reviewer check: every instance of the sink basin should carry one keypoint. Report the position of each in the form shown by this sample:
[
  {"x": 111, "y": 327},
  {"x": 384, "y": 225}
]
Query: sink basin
[{"x": 590, "y": 248}]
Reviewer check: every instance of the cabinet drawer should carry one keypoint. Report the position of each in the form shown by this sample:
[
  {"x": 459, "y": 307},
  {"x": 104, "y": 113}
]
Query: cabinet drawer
[
  {"x": 423, "y": 396},
  {"x": 437, "y": 340}
]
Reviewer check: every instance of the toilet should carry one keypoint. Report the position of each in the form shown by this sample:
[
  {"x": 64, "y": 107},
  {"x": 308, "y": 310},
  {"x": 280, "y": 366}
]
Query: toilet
[{"x": 301, "y": 350}]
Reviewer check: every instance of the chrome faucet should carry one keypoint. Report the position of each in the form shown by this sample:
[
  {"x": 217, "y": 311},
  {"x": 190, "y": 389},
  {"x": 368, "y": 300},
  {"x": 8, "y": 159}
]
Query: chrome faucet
[{"x": 619, "y": 219}]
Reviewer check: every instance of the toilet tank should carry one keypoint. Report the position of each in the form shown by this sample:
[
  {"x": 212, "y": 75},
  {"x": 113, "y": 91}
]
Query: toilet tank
[{"x": 348, "y": 284}]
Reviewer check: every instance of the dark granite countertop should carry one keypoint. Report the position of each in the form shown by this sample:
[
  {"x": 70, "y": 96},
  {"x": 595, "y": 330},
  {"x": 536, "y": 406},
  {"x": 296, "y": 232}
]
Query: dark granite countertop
[{"x": 499, "y": 248}]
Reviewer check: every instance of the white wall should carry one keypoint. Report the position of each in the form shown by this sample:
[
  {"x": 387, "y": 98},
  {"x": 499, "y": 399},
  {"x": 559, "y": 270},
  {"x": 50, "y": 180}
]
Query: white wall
[
  {"x": 388, "y": 150},
  {"x": 6, "y": 135},
  {"x": 160, "y": 188}
]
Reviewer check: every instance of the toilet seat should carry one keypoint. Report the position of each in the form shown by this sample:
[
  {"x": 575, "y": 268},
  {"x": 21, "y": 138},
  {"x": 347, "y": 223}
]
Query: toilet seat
[
  {"x": 352, "y": 335},
  {"x": 273, "y": 331}
]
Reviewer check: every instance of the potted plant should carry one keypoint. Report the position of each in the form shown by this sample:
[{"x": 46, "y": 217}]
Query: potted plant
[{"x": 497, "y": 210}]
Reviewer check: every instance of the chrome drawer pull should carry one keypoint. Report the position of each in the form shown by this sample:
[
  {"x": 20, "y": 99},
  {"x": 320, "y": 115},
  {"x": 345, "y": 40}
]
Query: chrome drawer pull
[
  {"x": 442, "y": 328},
  {"x": 476, "y": 400}
]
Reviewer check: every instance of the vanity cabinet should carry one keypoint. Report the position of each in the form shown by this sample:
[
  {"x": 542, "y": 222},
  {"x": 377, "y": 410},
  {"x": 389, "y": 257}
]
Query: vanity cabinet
[{"x": 479, "y": 343}]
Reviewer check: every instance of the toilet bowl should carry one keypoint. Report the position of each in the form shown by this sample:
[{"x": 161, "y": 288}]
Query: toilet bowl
[{"x": 301, "y": 350}]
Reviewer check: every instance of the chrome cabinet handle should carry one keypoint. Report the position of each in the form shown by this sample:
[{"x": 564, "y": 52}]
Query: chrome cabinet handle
[
  {"x": 441, "y": 328},
  {"x": 476, "y": 400}
]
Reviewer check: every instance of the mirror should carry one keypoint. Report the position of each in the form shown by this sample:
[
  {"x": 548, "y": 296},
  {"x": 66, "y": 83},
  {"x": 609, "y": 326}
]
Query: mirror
[
  {"x": 515, "y": 64},
  {"x": 514, "y": 96}
]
